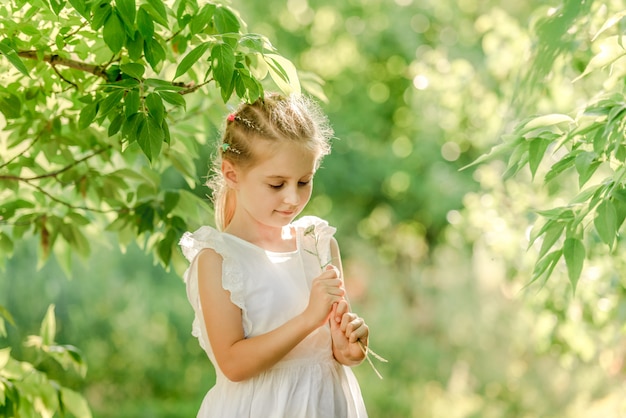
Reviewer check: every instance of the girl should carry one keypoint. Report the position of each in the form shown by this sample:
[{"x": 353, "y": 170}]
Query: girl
[{"x": 267, "y": 292}]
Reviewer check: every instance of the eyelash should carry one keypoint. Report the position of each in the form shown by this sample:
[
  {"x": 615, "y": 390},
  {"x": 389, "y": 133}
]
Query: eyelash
[{"x": 280, "y": 186}]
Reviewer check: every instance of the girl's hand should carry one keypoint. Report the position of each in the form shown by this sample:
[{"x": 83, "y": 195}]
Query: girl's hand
[
  {"x": 326, "y": 290},
  {"x": 347, "y": 330}
]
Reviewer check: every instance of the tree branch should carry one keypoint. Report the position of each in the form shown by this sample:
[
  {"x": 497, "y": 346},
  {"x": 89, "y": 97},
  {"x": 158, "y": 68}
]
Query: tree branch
[
  {"x": 54, "y": 59},
  {"x": 57, "y": 172},
  {"x": 64, "y": 203}
]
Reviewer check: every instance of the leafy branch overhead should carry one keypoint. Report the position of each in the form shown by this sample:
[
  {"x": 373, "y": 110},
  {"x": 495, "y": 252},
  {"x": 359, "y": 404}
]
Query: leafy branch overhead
[
  {"x": 89, "y": 86},
  {"x": 588, "y": 148}
]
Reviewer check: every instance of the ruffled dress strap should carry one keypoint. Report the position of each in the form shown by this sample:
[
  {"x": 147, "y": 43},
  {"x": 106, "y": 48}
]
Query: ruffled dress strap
[
  {"x": 232, "y": 278},
  {"x": 316, "y": 234}
]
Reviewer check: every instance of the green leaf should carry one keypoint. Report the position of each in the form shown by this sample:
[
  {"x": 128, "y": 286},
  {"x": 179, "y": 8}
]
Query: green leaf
[
  {"x": 131, "y": 103},
  {"x": 616, "y": 18},
  {"x": 536, "y": 151},
  {"x": 5, "y": 355},
  {"x": 57, "y": 6},
  {"x": 11, "y": 55},
  {"x": 545, "y": 266},
  {"x": 166, "y": 132},
  {"x": 75, "y": 403},
  {"x": 560, "y": 214},
  {"x": 283, "y": 73},
  {"x": 81, "y": 8},
  {"x": 545, "y": 121},
  {"x": 4, "y": 313},
  {"x": 154, "y": 53},
  {"x": 113, "y": 33},
  {"x": 202, "y": 18},
  {"x": 145, "y": 221},
  {"x": 517, "y": 160},
  {"x": 559, "y": 167},
  {"x": 226, "y": 21},
  {"x": 135, "y": 46},
  {"x": 75, "y": 239},
  {"x": 223, "y": 64},
  {"x": 128, "y": 10},
  {"x": 551, "y": 236},
  {"x": 191, "y": 58},
  {"x": 116, "y": 124},
  {"x": 87, "y": 115},
  {"x": 610, "y": 51},
  {"x": 6, "y": 247},
  {"x": 154, "y": 103},
  {"x": 10, "y": 105},
  {"x": 129, "y": 129},
  {"x": 606, "y": 222},
  {"x": 158, "y": 12},
  {"x": 166, "y": 245},
  {"x": 587, "y": 194},
  {"x": 150, "y": 137},
  {"x": 145, "y": 24},
  {"x": 101, "y": 12},
  {"x": 169, "y": 201},
  {"x": 574, "y": 254},
  {"x": 173, "y": 98},
  {"x": 48, "y": 328},
  {"x": 254, "y": 42},
  {"x": 586, "y": 164},
  {"x": 133, "y": 69},
  {"x": 110, "y": 102}
]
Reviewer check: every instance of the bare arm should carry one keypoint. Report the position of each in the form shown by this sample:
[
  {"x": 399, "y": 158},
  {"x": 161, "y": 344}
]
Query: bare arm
[
  {"x": 241, "y": 358},
  {"x": 347, "y": 328}
]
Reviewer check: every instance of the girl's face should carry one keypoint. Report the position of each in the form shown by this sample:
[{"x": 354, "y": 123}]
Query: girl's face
[{"x": 276, "y": 189}]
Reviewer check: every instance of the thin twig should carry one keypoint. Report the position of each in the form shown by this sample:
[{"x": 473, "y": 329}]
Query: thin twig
[
  {"x": 23, "y": 152},
  {"x": 56, "y": 173},
  {"x": 191, "y": 89},
  {"x": 54, "y": 67},
  {"x": 64, "y": 203}
]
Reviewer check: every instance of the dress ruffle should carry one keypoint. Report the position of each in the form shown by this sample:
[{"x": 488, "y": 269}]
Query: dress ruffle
[{"x": 232, "y": 278}]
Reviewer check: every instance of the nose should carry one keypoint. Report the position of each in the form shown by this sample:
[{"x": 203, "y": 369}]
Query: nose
[{"x": 292, "y": 197}]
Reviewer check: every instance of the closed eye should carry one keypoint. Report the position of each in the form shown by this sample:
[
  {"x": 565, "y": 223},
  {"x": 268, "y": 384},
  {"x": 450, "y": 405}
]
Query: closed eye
[{"x": 281, "y": 185}]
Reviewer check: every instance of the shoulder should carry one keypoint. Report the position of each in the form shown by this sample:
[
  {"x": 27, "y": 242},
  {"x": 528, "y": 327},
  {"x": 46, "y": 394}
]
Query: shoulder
[{"x": 192, "y": 243}]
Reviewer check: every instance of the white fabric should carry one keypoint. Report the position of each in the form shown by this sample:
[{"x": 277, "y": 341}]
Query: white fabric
[{"x": 271, "y": 288}]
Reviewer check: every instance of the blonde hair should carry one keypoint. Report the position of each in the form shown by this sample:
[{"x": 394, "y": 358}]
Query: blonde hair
[{"x": 274, "y": 118}]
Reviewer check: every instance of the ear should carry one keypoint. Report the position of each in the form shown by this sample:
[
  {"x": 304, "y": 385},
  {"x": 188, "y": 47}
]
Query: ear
[{"x": 230, "y": 173}]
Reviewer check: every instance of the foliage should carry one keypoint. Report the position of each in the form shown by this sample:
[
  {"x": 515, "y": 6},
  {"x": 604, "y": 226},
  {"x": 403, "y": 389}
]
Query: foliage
[
  {"x": 587, "y": 145},
  {"x": 100, "y": 101},
  {"x": 97, "y": 87},
  {"x": 436, "y": 258},
  {"x": 26, "y": 390}
]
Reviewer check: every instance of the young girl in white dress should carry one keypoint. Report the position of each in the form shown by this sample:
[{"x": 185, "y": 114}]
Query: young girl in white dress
[{"x": 267, "y": 291}]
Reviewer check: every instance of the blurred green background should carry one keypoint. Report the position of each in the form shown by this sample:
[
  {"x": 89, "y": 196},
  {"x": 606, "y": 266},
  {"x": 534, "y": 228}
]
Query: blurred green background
[{"x": 436, "y": 257}]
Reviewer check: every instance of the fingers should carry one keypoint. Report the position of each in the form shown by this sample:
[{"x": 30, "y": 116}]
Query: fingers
[
  {"x": 330, "y": 272},
  {"x": 341, "y": 310},
  {"x": 354, "y": 327}
]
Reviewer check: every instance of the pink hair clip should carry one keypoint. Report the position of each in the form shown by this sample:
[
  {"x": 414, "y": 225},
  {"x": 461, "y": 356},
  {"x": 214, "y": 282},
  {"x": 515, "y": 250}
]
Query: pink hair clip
[{"x": 231, "y": 117}]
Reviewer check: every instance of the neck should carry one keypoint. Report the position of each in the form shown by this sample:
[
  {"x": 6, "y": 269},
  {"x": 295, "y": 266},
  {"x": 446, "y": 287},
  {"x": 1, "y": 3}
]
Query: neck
[{"x": 267, "y": 237}]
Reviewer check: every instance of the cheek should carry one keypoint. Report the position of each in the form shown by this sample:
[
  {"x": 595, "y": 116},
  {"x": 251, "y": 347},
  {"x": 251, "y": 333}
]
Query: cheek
[{"x": 305, "y": 194}]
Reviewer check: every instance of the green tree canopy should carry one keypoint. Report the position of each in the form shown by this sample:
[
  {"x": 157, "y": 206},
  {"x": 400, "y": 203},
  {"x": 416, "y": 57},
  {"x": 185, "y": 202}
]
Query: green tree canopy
[{"x": 104, "y": 103}]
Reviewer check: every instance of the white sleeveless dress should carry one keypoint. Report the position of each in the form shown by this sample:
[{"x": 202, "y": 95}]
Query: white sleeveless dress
[{"x": 271, "y": 288}]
